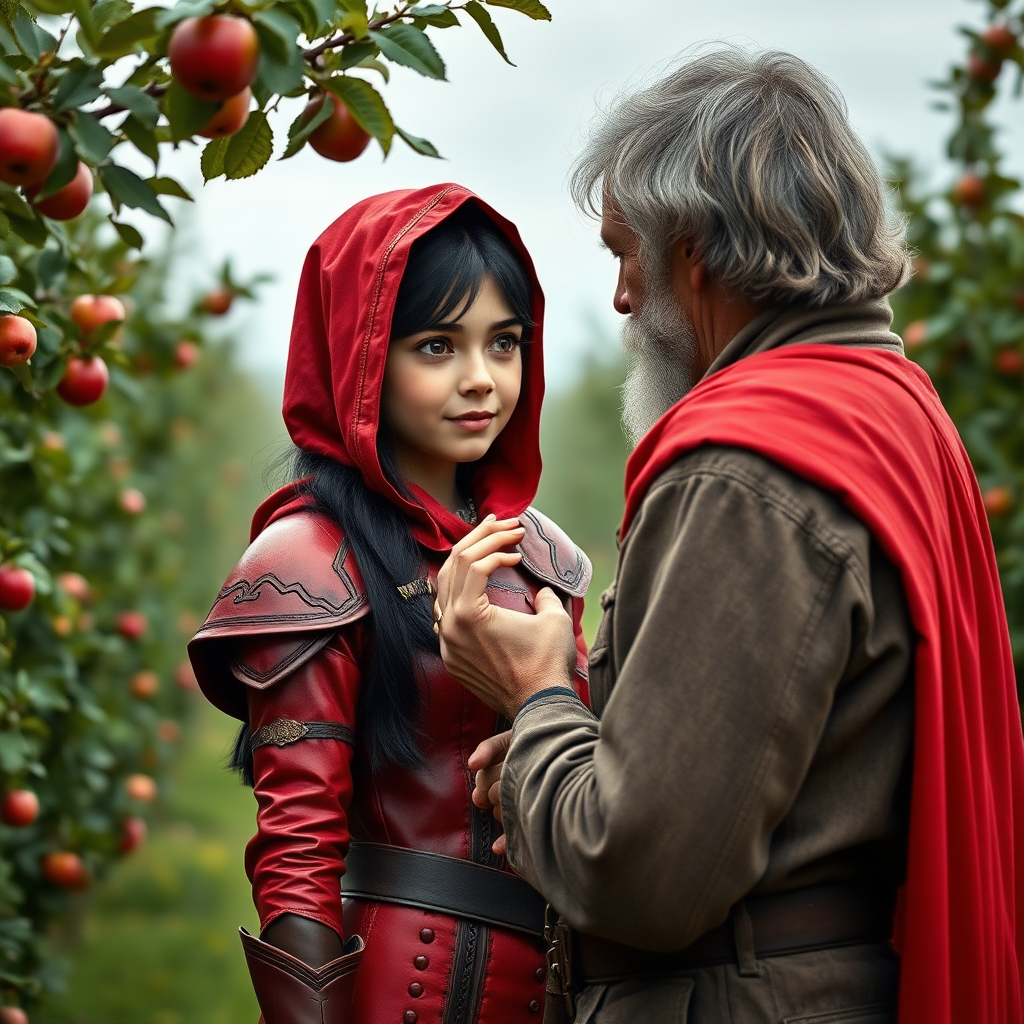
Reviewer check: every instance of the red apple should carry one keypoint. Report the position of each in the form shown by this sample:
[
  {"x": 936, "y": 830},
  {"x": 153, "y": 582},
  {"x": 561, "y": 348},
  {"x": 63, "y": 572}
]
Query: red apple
[
  {"x": 340, "y": 136},
  {"x": 71, "y": 200},
  {"x": 168, "y": 731},
  {"x": 64, "y": 868},
  {"x": 145, "y": 684},
  {"x": 29, "y": 147},
  {"x": 75, "y": 585},
  {"x": 997, "y": 500},
  {"x": 91, "y": 311},
  {"x": 1000, "y": 40},
  {"x": 133, "y": 501},
  {"x": 17, "y": 588},
  {"x": 1010, "y": 362},
  {"x": 915, "y": 334},
  {"x": 230, "y": 118},
  {"x": 214, "y": 57},
  {"x": 141, "y": 787},
  {"x": 185, "y": 354},
  {"x": 983, "y": 68},
  {"x": 13, "y": 1015},
  {"x": 17, "y": 340},
  {"x": 131, "y": 625},
  {"x": 969, "y": 191},
  {"x": 84, "y": 381},
  {"x": 185, "y": 677},
  {"x": 218, "y": 302},
  {"x": 20, "y": 807},
  {"x": 133, "y": 834}
]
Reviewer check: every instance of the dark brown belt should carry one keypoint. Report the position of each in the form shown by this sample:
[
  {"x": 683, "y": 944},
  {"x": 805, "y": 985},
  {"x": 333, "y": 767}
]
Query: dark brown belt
[
  {"x": 431, "y": 881},
  {"x": 801, "y": 921}
]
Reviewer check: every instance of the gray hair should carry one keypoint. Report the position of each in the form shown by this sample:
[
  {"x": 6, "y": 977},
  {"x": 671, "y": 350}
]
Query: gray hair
[{"x": 751, "y": 158}]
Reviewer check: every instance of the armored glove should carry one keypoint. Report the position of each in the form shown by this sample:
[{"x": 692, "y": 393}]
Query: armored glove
[{"x": 290, "y": 992}]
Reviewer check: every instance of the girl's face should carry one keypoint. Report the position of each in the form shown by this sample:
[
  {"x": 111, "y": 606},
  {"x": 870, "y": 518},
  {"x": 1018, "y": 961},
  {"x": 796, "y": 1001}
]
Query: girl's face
[{"x": 448, "y": 392}]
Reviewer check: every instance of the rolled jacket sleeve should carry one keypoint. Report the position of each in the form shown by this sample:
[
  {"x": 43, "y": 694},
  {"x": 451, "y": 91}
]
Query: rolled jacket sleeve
[{"x": 726, "y": 636}]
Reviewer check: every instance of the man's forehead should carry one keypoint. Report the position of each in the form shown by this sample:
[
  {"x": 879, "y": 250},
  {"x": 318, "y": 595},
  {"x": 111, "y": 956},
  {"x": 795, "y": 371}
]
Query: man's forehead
[{"x": 613, "y": 226}]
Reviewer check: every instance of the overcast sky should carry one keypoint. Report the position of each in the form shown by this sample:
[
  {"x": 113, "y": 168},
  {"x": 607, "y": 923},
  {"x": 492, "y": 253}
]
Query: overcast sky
[{"x": 510, "y": 134}]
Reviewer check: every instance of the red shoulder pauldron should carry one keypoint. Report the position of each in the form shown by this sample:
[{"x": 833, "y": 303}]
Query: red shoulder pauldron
[{"x": 296, "y": 584}]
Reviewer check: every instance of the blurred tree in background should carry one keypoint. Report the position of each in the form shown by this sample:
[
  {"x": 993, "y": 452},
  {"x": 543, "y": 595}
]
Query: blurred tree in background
[{"x": 962, "y": 315}]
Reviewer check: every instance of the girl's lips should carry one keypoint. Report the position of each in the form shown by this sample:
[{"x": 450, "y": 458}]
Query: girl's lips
[{"x": 473, "y": 422}]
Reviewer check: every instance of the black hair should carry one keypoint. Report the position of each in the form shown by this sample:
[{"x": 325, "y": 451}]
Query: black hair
[{"x": 442, "y": 278}]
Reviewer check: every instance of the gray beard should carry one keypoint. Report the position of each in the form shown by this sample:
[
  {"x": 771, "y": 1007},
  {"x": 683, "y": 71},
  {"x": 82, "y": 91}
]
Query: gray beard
[{"x": 662, "y": 347}]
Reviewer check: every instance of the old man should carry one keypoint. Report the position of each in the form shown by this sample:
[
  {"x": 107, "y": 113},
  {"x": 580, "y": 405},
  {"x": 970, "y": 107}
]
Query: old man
[{"x": 799, "y": 793}]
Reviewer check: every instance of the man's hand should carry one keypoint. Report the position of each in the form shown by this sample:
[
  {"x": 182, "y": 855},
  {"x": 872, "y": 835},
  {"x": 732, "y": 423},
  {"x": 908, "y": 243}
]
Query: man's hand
[
  {"x": 500, "y": 655},
  {"x": 487, "y": 761}
]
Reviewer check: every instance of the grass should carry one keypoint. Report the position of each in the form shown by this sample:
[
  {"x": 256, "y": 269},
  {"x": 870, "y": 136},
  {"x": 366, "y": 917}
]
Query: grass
[{"x": 158, "y": 943}]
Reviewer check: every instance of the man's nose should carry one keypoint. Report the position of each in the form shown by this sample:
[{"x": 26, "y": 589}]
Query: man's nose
[{"x": 621, "y": 299}]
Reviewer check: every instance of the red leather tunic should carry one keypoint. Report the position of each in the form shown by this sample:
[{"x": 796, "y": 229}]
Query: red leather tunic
[{"x": 286, "y": 639}]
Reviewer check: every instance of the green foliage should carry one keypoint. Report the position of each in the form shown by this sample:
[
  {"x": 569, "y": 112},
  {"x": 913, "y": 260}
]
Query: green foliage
[
  {"x": 71, "y": 727},
  {"x": 962, "y": 314}
]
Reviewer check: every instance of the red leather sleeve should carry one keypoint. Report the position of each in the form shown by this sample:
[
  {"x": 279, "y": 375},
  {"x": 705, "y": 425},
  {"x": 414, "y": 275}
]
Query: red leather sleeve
[
  {"x": 303, "y": 790},
  {"x": 581, "y": 679}
]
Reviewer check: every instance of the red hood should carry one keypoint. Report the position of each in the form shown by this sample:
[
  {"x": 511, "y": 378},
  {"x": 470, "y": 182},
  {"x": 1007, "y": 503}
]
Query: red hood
[{"x": 339, "y": 345}]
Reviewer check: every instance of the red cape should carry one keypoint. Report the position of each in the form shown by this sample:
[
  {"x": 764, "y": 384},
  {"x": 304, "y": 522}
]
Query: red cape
[{"x": 868, "y": 426}]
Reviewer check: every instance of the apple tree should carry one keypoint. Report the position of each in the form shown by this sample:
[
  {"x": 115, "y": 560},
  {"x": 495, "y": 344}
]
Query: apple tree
[
  {"x": 962, "y": 314},
  {"x": 114, "y": 413}
]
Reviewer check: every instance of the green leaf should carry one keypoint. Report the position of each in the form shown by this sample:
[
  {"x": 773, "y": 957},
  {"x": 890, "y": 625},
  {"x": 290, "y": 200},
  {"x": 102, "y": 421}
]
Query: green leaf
[
  {"x": 83, "y": 11},
  {"x": 26, "y": 36},
  {"x": 426, "y": 10},
  {"x": 445, "y": 20},
  {"x": 169, "y": 187},
  {"x": 128, "y": 189},
  {"x": 79, "y": 85},
  {"x": 8, "y": 74},
  {"x": 408, "y": 45},
  {"x": 92, "y": 140},
  {"x": 51, "y": 266},
  {"x": 278, "y": 32},
  {"x": 14, "y": 202},
  {"x": 141, "y": 104},
  {"x": 8, "y": 271},
  {"x": 249, "y": 148},
  {"x": 422, "y": 146},
  {"x": 189, "y": 9},
  {"x": 186, "y": 114},
  {"x": 300, "y": 130},
  {"x": 24, "y": 374},
  {"x": 5, "y": 225},
  {"x": 125, "y": 36},
  {"x": 355, "y": 53},
  {"x": 323, "y": 13},
  {"x": 13, "y": 300},
  {"x": 107, "y": 13},
  {"x": 212, "y": 161},
  {"x": 531, "y": 8},
  {"x": 128, "y": 234},
  {"x": 482, "y": 17},
  {"x": 32, "y": 229},
  {"x": 65, "y": 170},
  {"x": 366, "y": 106},
  {"x": 277, "y": 77},
  {"x": 142, "y": 137}
]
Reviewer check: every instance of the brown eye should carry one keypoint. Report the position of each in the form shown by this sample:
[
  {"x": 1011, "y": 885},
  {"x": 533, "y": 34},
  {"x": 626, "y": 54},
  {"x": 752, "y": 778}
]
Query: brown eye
[
  {"x": 434, "y": 347},
  {"x": 505, "y": 343}
]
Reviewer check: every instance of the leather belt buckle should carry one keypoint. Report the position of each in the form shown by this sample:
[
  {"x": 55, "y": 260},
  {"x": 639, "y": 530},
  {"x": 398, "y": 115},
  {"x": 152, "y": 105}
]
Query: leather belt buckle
[{"x": 558, "y": 937}]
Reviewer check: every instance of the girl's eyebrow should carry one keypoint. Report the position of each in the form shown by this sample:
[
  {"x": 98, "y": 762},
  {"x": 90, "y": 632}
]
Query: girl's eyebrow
[{"x": 512, "y": 321}]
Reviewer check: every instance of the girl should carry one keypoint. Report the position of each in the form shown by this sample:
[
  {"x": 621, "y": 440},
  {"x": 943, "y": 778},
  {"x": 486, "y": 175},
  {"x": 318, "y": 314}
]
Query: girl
[{"x": 413, "y": 395}]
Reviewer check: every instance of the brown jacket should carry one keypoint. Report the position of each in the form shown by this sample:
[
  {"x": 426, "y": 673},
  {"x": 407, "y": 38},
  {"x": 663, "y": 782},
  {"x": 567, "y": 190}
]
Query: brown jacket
[{"x": 753, "y": 708}]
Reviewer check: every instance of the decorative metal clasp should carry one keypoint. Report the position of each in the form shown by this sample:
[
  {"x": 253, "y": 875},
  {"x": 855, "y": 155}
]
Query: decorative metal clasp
[
  {"x": 280, "y": 733},
  {"x": 423, "y": 587}
]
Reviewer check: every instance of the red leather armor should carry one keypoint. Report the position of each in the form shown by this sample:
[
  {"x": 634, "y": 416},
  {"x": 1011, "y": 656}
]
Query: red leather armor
[{"x": 287, "y": 638}]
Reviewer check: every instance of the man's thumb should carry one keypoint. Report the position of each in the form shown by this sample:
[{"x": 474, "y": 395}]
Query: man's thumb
[{"x": 547, "y": 601}]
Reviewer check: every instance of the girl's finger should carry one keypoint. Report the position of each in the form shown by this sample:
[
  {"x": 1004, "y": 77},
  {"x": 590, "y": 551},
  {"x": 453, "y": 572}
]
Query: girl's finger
[
  {"x": 484, "y": 529},
  {"x": 481, "y": 549}
]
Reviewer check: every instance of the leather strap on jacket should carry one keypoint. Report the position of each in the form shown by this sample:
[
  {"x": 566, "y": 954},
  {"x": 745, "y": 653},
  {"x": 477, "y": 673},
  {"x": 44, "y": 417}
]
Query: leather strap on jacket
[
  {"x": 801, "y": 921},
  {"x": 283, "y": 731},
  {"x": 393, "y": 874}
]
